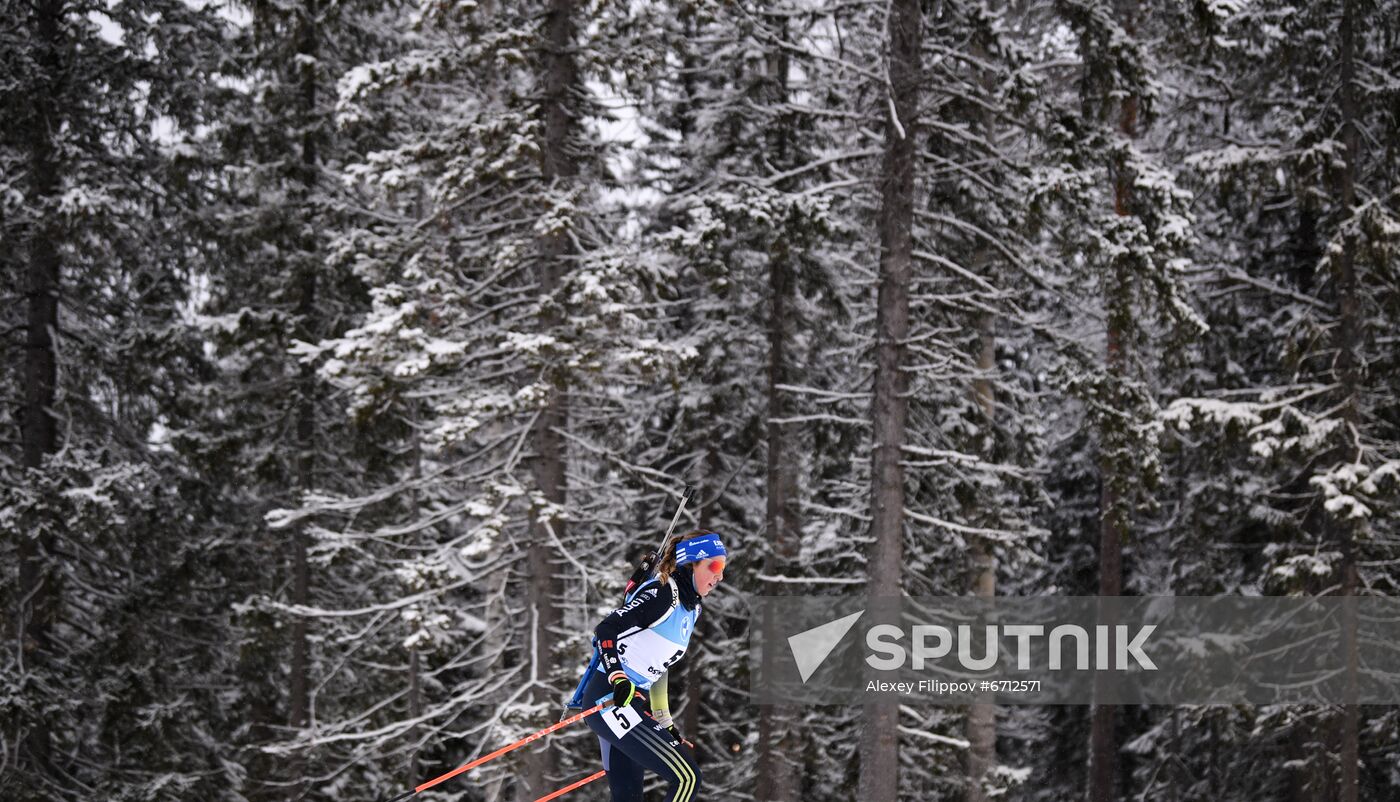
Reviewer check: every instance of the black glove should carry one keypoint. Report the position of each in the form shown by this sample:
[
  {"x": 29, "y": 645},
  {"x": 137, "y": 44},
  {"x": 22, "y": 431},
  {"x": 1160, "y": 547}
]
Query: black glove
[
  {"x": 624, "y": 691},
  {"x": 675, "y": 733}
]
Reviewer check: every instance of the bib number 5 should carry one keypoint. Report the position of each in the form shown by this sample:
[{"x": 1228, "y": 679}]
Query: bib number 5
[{"x": 621, "y": 721}]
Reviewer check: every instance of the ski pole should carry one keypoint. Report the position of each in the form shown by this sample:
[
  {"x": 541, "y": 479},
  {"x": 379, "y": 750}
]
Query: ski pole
[
  {"x": 686, "y": 496},
  {"x": 579, "y": 784},
  {"x": 509, "y": 748}
]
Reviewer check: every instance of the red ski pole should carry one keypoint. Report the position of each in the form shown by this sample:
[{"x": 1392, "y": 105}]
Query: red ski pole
[
  {"x": 509, "y": 748},
  {"x": 565, "y": 790}
]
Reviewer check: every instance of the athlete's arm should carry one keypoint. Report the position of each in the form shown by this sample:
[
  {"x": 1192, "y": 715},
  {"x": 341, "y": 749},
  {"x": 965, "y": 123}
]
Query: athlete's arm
[
  {"x": 661, "y": 709},
  {"x": 660, "y": 702},
  {"x": 645, "y": 609}
]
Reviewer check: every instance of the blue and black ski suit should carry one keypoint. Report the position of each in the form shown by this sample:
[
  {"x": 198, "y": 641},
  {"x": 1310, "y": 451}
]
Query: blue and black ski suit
[{"x": 643, "y": 639}]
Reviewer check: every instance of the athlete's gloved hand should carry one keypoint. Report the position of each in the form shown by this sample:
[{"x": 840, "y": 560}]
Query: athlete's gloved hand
[
  {"x": 675, "y": 733},
  {"x": 624, "y": 691}
]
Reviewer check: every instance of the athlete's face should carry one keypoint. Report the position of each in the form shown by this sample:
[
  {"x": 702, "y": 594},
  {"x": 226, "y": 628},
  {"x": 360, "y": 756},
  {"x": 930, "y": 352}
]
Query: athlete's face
[{"x": 708, "y": 574}]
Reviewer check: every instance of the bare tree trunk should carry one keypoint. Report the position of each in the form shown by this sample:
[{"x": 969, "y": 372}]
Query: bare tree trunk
[
  {"x": 879, "y": 747},
  {"x": 38, "y": 581},
  {"x": 559, "y": 169},
  {"x": 1349, "y": 374},
  {"x": 982, "y": 717}
]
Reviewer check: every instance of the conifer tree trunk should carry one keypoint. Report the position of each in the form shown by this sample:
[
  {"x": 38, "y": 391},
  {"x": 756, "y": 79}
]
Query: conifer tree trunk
[
  {"x": 1103, "y": 745},
  {"x": 1103, "y": 740},
  {"x": 776, "y": 777},
  {"x": 879, "y": 747},
  {"x": 776, "y": 780},
  {"x": 982, "y": 717},
  {"x": 415, "y": 684},
  {"x": 38, "y": 589},
  {"x": 308, "y": 330},
  {"x": 1350, "y": 378},
  {"x": 415, "y": 708},
  {"x": 559, "y": 169}
]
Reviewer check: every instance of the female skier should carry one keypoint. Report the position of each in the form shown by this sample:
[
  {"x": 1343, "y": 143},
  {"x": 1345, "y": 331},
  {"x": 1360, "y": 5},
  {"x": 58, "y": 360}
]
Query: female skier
[{"x": 638, "y": 643}]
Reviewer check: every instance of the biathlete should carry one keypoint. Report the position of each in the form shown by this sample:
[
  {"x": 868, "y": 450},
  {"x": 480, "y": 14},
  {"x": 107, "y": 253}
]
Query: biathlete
[{"x": 637, "y": 644}]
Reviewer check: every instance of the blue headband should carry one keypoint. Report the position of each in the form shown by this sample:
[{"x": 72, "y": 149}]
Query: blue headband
[{"x": 700, "y": 548}]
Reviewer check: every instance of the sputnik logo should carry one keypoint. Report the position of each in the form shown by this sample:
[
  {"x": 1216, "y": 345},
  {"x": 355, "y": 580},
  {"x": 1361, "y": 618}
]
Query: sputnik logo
[{"x": 812, "y": 647}]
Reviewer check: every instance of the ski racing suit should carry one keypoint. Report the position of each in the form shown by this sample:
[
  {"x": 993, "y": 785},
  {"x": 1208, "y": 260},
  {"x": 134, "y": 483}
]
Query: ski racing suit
[{"x": 643, "y": 639}]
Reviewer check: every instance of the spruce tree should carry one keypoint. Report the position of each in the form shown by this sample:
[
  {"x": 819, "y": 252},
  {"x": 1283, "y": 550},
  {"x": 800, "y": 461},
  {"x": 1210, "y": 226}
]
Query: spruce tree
[{"x": 103, "y": 111}]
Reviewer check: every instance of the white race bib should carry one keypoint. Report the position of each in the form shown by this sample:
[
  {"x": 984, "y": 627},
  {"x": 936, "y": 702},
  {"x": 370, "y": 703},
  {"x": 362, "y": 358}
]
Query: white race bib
[{"x": 621, "y": 721}]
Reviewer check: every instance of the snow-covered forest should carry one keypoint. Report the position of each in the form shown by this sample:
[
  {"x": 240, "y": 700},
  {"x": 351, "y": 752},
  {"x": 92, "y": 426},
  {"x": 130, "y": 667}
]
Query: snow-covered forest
[{"x": 352, "y": 349}]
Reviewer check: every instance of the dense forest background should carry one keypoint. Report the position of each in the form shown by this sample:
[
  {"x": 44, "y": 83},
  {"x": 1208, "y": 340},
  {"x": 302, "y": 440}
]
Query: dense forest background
[{"x": 351, "y": 348}]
